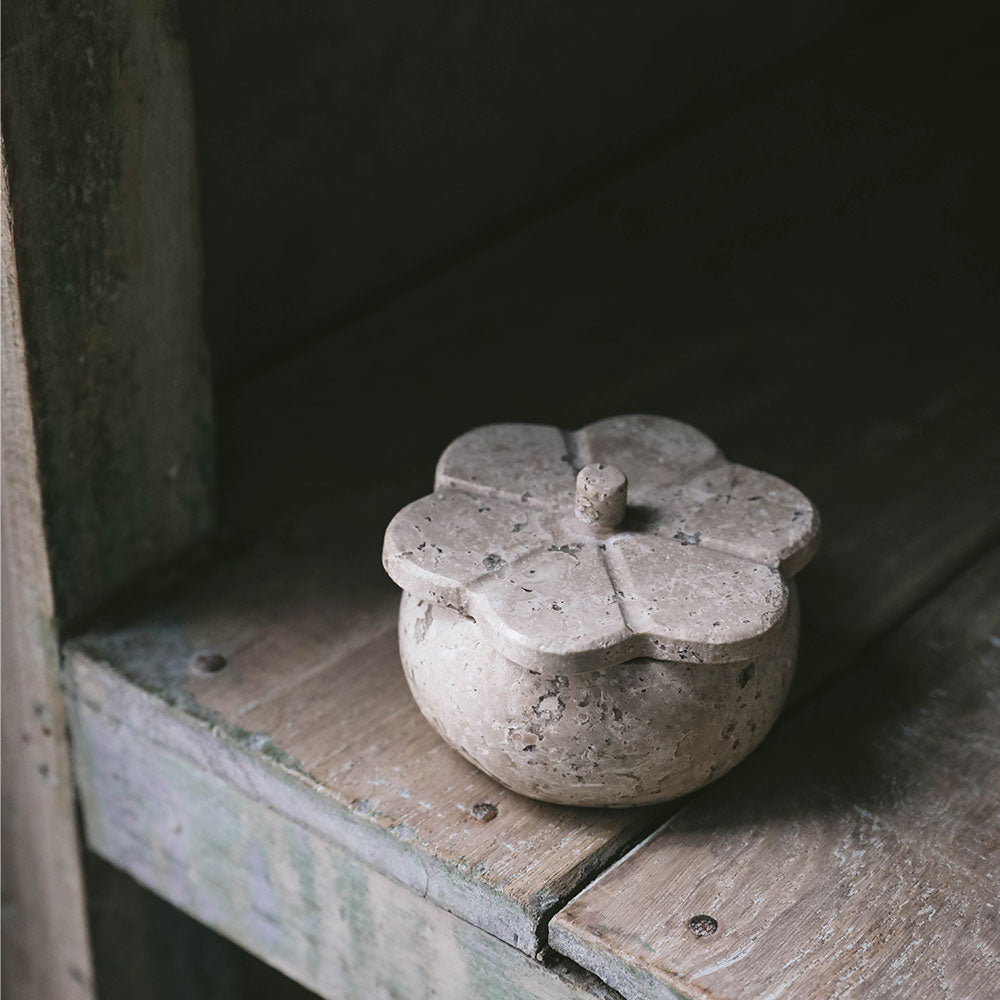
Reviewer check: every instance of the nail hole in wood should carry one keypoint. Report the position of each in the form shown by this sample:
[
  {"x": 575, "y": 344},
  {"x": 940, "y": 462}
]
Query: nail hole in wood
[
  {"x": 207, "y": 662},
  {"x": 484, "y": 811}
]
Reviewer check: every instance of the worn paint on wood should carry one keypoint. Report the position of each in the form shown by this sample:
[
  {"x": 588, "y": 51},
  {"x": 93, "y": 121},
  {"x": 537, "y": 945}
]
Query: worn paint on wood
[
  {"x": 107, "y": 437},
  {"x": 856, "y": 856},
  {"x": 45, "y": 948},
  {"x": 280, "y": 887},
  {"x": 313, "y": 714},
  {"x": 99, "y": 139},
  {"x": 147, "y": 949}
]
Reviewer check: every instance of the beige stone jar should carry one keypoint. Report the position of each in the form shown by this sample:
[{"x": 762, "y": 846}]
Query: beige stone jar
[{"x": 603, "y": 617}]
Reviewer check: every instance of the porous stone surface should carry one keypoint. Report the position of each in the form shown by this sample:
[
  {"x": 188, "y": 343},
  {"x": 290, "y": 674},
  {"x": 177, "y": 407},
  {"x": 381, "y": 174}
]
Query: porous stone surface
[
  {"x": 600, "y": 617},
  {"x": 601, "y": 496},
  {"x": 640, "y": 732}
]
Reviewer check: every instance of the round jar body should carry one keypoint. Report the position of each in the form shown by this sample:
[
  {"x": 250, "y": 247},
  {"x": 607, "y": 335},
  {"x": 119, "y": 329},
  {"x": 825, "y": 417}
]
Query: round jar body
[{"x": 639, "y": 732}]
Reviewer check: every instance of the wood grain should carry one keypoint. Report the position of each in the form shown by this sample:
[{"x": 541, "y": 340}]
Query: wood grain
[
  {"x": 46, "y": 954},
  {"x": 107, "y": 425},
  {"x": 282, "y": 890},
  {"x": 313, "y": 704},
  {"x": 98, "y": 132},
  {"x": 146, "y": 947},
  {"x": 856, "y": 855}
]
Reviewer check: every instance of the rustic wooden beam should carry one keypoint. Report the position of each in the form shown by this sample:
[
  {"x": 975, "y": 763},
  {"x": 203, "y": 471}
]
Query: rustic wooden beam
[
  {"x": 106, "y": 407},
  {"x": 46, "y": 952},
  {"x": 98, "y": 128}
]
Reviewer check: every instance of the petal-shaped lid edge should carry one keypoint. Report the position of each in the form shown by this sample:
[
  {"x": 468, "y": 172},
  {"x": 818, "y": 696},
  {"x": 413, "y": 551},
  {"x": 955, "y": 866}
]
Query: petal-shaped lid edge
[{"x": 512, "y": 558}]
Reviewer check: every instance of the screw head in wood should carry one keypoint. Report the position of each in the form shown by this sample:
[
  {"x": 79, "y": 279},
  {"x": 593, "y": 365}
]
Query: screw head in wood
[
  {"x": 601, "y": 496},
  {"x": 702, "y": 925}
]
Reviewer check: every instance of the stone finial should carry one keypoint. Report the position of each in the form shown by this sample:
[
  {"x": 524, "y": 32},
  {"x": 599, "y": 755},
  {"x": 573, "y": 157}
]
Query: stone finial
[{"x": 601, "y": 496}]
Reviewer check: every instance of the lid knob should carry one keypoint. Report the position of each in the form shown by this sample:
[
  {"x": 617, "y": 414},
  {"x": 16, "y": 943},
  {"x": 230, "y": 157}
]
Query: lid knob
[{"x": 601, "y": 496}]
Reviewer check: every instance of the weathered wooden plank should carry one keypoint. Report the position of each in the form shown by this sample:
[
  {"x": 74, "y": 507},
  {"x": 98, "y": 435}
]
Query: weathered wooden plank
[
  {"x": 306, "y": 624},
  {"x": 98, "y": 140},
  {"x": 146, "y": 947},
  {"x": 900, "y": 518},
  {"x": 312, "y": 714},
  {"x": 98, "y": 129},
  {"x": 278, "y": 886},
  {"x": 345, "y": 150},
  {"x": 46, "y": 953},
  {"x": 856, "y": 855}
]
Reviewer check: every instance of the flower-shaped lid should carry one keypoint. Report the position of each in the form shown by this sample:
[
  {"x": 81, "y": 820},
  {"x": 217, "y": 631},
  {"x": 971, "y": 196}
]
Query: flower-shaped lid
[{"x": 630, "y": 537}]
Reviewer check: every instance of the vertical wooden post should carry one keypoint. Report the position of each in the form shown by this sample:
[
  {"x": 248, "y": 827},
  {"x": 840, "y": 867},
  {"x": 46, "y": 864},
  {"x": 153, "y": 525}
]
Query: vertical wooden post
[
  {"x": 107, "y": 432},
  {"x": 45, "y": 946},
  {"x": 98, "y": 131}
]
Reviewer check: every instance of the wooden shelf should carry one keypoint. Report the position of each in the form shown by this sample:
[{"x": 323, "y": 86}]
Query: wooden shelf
[
  {"x": 312, "y": 717},
  {"x": 297, "y": 801}
]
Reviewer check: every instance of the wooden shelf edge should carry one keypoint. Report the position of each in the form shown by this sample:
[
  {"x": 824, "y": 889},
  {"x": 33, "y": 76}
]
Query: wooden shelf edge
[
  {"x": 98, "y": 690},
  {"x": 344, "y": 910}
]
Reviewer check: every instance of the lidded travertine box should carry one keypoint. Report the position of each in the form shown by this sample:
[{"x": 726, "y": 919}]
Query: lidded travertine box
[{"x": 603, "y": 617}]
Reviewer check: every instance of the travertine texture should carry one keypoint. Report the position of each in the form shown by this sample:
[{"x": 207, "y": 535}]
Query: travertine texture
[
  {"x": 584, "y": 612},
  {"x": 601, "y": 497},
  {"x": 640, "y": 732}
]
